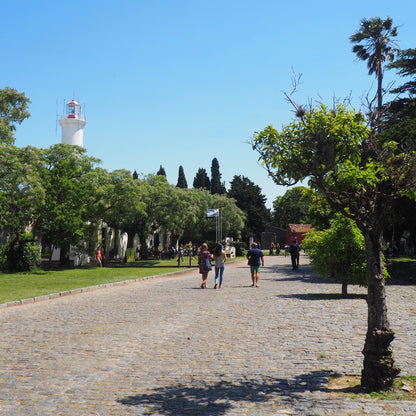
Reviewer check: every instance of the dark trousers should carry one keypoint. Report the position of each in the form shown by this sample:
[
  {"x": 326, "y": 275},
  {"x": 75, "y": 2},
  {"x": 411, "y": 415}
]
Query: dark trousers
[{"x": 295, "y": 260}]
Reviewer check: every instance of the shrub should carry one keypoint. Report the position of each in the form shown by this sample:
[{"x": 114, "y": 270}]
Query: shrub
[
  {"x": 21, "y": 255},
  {"x": 338, "y": 253}
]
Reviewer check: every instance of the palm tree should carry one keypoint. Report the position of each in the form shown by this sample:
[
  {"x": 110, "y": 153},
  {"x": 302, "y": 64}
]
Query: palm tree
[{"x": 377, "y": 46}]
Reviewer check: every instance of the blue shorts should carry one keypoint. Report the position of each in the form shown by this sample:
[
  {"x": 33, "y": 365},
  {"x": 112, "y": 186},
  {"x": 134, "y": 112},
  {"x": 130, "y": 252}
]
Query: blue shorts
[{"x": 255, "y": 269}]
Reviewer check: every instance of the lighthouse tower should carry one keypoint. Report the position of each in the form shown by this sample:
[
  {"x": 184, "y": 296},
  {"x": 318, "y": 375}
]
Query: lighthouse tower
[{"x": 73, "y": 123}]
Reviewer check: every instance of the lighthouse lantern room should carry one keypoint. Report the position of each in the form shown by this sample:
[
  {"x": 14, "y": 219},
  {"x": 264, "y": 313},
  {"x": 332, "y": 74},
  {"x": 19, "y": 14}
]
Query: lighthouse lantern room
[{"x": 72, "y": 124}]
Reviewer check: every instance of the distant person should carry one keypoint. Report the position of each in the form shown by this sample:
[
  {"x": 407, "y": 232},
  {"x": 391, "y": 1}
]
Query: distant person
[
  {"x": 277, "y": 248},
  {"x": 98, "y": 257},
  {"x": 294, "y": 250},
  {"x": 220, "y": 258},
  {"x": 255, "y": 261},
  {"x": 181, "y": 252},
  {"x": 204, "y": 263},
  {"x": 271, "y": 249}
]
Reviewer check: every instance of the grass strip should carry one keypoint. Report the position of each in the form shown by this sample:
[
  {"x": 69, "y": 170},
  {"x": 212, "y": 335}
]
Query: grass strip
[{"x": 17, "y": 286}]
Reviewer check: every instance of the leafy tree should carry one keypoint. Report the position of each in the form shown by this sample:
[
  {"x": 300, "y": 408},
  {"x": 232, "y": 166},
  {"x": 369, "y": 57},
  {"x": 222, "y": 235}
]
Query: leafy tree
[
  {"x": 405, "y": 64},
  {"x": 338, "y": 253},
  {"x": 155, "y": 212},
  {"x": 374, "y": 44},
  {"x": 249, "y": 198},
  {"x": 202, "y": 180},
  {"x": 161, "y": 171},
  {"x": 184, "y": 211},
  {"x": 67, "y": 180},
  {"x": 21, "y": 191},
  {"x": 22, "y": 197},
  {"x": 122, "y": 202},
  {"x": 217, "y": 187},
  {"x": 13, "y": 110},
  {"x": 162, "y": 205},
  {"x": 403, "y": 108},
  {"x": 199, "y": 228},
  {"x": 360, "y": 177},
  {"x": 292, "y": 207},
  {"x": 181, "y": 179},
  {"x": 399, "y": 124}
]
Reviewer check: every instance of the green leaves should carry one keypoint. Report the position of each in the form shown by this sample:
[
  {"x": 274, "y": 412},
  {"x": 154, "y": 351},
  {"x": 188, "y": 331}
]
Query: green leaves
[
  {"x": 13, "y": 110},
  {"x": 338, "y": 252},
  {"x": 21, "y": 190},
  {"x": 359, "y": 174},
  {"x": 314, "y": 146}
]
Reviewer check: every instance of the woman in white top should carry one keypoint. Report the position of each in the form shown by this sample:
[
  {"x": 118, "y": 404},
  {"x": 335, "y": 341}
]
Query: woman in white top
[{"x": 220, "y": 258}]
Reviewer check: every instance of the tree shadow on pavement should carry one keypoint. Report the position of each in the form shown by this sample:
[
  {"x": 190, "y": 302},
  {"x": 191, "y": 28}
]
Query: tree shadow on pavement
[
  {"x": 304, "y": 274},
  {"x": 323, "y": 296},
  {"x": 203, "y": 398}
]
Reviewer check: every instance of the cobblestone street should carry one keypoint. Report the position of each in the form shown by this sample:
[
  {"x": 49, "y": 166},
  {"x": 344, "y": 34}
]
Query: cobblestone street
[{"x": 163, "y": 346}]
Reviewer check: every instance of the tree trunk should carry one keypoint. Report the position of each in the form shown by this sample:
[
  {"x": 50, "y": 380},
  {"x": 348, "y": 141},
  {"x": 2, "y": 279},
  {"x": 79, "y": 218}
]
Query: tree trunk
[
  {"x": 380, "y": 91},
  {"x": 345, "y": 287},
  {"x": 379, "y": 370},
  {"x": 130, "y": 239},
  {"x": 64, "y": 256}
]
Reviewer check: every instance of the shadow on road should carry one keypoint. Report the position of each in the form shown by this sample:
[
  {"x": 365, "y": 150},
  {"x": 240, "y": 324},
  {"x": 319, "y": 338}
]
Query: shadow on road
[
  {"x": 323, "y": 296},
  {"x": 211, "y": 399}
]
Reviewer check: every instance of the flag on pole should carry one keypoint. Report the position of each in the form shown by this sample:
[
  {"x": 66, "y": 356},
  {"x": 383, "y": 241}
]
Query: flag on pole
[{"x": 215, "y": 212}]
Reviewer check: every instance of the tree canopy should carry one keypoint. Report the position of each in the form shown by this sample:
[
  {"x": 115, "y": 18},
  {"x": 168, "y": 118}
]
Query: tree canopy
[
  {"x": 13, "y": 110},
  {"x": 374, "y": 43},
  {"x": 292, "y": 207},
  {"x": 217, "y": 187},
  {"x": 338, "y": 253},
  {"x": 182, "y": 183},
  {"x": 68, "y": 189},
  {"x": 22, "y": 194},
  {"x": 202, "y": 180},
  {"x": 161, "y": 171},
  {"x": 249, "y": 198}
]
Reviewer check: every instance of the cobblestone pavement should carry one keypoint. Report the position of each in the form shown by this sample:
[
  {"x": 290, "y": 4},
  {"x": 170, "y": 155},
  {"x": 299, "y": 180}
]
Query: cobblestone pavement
[{"x": 164, "y": 346}]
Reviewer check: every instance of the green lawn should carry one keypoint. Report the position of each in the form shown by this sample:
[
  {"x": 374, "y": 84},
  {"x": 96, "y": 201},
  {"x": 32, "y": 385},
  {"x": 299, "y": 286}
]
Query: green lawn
[{"x": 17, "y": 286}]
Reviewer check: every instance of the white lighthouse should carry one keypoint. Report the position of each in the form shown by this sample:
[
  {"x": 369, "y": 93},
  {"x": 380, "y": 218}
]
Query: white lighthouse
[{"x": 73, "y": 123}]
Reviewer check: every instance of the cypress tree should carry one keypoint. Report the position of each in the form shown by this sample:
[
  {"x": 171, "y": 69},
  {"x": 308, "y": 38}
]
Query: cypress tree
[
  {"x": 216, "y": 186},
  {"x": 201, "y": 180},
  {"x": 161, "y": 171},
  {"x": 181, "y": 179}
]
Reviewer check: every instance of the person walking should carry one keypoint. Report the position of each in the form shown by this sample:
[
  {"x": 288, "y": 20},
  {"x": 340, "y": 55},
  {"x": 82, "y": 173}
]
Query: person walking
[
  {"x": 255, "y": 261},
  {"x": 220, "y": 258},
  {"x": 98, "y": 257},
  {"x": 294, "y": 250},
  {"x": 204, "y": 263},
  {"x": 271, "y": 250}
]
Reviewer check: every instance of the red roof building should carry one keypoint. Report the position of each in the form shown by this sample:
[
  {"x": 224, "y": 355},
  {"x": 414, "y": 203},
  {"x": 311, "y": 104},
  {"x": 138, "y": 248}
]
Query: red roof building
[{"x": 297, "y": 232}]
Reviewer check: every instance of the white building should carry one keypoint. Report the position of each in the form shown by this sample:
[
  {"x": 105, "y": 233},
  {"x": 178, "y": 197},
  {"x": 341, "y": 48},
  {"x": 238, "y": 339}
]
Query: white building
[{"x": 72, "y": 124}]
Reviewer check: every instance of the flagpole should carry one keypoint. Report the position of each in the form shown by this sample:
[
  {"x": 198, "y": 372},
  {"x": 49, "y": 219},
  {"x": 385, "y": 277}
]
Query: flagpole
[{"x": 220, "y": 232}]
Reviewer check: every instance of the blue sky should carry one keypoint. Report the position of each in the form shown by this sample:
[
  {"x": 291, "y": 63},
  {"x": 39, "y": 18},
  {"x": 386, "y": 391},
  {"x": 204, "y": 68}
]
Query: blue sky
[{"x": 176, "y": 82}]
